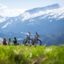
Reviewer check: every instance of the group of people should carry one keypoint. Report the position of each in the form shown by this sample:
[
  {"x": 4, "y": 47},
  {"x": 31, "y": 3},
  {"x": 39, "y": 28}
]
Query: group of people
[
  {"x": 9, "y": 41},
  {"x": 28, "y": 40},
  {"x": 33, "y": 41}
]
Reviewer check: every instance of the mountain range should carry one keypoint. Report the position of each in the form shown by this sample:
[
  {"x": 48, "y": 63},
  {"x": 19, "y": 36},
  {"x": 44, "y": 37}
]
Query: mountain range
[{"x": 48, "y": 21}]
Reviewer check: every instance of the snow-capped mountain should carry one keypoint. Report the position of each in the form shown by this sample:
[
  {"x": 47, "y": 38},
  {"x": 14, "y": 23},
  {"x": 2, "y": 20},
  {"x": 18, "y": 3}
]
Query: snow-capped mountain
[{"x": 47, "y": 21}]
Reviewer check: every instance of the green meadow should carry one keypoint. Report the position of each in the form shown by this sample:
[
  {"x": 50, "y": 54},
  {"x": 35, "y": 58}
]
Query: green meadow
[{"x": 21, "y": 54}]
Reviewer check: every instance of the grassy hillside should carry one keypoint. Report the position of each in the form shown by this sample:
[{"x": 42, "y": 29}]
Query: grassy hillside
[{"x": 31, "y": 54}]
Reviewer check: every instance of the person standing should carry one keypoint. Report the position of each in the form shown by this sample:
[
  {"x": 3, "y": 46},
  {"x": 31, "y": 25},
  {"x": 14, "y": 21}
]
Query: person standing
[
  {"x": 15, "y": 41},
  {"x": 4, "y": 41}
]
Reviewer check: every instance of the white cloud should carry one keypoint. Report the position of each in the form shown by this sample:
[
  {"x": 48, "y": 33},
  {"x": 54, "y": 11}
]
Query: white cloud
[
  {"x": 7, "y": 12},
  {"x": 2, "y": 6}
]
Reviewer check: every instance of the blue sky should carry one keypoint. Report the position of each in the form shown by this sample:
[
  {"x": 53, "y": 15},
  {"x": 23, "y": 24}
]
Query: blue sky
[{"x": 28, "y": 4}]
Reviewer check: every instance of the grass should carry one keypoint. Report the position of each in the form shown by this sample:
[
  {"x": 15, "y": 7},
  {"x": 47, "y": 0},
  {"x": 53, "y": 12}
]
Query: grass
[{"x": 21, "y": 54}]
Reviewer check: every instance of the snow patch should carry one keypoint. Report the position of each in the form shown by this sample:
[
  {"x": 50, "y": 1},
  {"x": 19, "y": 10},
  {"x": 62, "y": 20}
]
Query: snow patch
[
  {"x": 55, "y": 13},
  {"x": 3, "y": 27}
]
